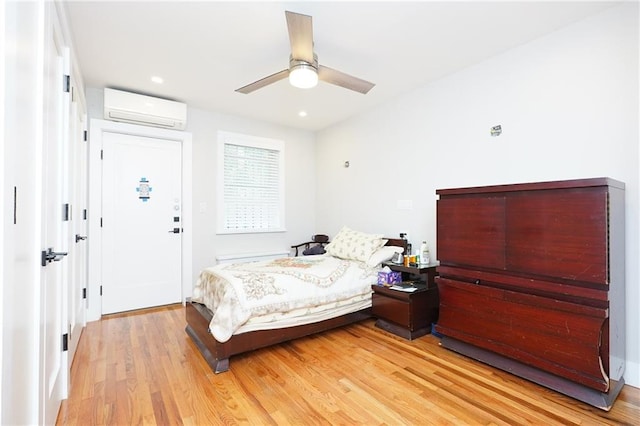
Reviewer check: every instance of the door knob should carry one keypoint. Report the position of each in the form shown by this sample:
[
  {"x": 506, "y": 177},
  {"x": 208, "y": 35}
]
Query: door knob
[
  {"x": 79, "y": 238},
  {"x": 49, "y": 256},
  {"x": 175, "y": 231}
]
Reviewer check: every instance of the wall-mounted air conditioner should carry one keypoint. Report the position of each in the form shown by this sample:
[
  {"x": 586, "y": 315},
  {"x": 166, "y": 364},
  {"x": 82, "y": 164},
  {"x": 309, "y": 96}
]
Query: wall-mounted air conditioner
[{"x": 147, "y": 110}]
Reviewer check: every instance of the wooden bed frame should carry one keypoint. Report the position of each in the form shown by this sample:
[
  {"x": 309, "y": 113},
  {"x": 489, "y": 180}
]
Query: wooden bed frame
[{"x": 217, "y": 354}]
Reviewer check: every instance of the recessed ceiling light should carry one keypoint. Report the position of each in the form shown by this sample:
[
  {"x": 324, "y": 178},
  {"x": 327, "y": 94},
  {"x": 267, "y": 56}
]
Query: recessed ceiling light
[
  {"x": 157, "y": 80},
  {"x": 302, "y": 113}
]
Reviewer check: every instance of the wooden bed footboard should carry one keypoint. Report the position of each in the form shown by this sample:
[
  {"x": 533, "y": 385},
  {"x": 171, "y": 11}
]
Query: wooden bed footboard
[{"x": 217, "y": 354}]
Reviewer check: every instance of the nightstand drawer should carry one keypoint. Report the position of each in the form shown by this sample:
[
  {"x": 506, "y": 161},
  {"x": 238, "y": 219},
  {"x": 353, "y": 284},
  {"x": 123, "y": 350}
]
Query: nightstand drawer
[{"x": 397, "y": 311}]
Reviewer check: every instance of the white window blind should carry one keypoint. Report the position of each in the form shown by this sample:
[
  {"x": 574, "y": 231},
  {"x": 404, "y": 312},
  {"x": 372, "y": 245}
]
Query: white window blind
[{"x": 251, "y": 197}]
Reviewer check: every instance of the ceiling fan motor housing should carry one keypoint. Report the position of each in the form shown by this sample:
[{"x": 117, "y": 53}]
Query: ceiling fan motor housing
[{"x": 296, "y": 62}]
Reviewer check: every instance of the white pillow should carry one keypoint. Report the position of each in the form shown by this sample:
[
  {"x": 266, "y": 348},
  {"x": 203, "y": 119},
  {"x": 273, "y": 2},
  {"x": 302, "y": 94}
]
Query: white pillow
[
  {"x": 383, "y": 254},
  {"x": 354, "y": 245}
]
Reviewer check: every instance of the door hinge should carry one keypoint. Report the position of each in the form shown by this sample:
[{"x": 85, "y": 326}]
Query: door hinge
[
  {"x": 84, "y": 214},
  {"x": 101, "y": 154},
  {"x": 66, "y": 212},
  {"x": 100, "y": 222},
  {"x": 15, "y": 205},
  {"x": 66, "y": 83},
  {"x": 84, "y": 293},
  {"x": 86, "y": 136},
  {"x": 65, "y": 342},
  {"x": 100, "y": 290}
]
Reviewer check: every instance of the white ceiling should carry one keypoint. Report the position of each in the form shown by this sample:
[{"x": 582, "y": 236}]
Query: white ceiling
[{"x": 206, "y": 50}]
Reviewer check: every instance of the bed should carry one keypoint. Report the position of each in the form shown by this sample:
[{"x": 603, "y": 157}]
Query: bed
[{"x": 255, "y": 317}]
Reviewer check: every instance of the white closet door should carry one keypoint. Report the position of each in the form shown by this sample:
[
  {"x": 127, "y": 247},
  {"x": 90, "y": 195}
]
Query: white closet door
[{"x": 55, "y": 229}]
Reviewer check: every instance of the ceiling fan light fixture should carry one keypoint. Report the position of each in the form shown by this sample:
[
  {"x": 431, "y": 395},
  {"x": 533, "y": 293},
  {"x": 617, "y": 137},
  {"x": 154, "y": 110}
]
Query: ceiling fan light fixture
[{"x": 303, "y": 76}]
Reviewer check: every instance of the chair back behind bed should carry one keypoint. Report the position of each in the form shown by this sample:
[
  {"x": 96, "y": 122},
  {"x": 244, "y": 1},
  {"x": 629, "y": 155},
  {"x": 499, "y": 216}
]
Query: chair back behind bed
[
  {"x": 397, "y": 242},
  {"x": 316, "y": 240}
]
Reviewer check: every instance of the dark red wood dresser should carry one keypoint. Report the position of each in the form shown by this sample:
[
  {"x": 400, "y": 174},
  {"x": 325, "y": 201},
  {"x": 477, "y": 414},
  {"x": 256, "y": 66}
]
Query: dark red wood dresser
[{"x": 531, "y": 280}]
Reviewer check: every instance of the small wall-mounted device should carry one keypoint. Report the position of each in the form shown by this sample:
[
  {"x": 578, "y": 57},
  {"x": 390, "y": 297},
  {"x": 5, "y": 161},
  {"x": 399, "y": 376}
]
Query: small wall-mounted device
[
  {"x": 346, "y": 164},
  {"x": 496, "y": 130}
]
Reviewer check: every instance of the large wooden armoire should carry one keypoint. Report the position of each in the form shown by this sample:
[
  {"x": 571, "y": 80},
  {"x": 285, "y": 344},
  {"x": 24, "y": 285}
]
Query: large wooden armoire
[{"x": 531, "y": 280}]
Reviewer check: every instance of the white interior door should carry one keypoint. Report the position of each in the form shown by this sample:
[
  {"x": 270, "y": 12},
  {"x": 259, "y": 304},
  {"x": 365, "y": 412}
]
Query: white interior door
[
  {"x": 141, "y": 222},
  {"x": 78, "y": 255},
  {"x": 54, "y": 373}
]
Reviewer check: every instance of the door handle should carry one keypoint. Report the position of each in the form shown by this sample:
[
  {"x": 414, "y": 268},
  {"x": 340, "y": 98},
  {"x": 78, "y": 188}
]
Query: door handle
[
  {"x": 49, "y": 256},
  {"x": 175, "y": 231},
  {"x": 79, "y": 238}
]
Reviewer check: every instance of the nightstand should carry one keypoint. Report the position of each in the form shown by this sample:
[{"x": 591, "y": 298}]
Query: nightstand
[{"x": 407, "y": 314}]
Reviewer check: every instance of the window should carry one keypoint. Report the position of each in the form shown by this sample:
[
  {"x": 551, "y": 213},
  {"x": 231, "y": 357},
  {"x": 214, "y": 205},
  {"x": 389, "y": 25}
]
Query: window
[{"x": 250, "y": 184}]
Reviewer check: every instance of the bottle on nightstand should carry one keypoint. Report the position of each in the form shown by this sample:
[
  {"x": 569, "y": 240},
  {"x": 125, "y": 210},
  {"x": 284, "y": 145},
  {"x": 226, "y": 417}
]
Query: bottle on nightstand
[{"x": 424, "y": 253}]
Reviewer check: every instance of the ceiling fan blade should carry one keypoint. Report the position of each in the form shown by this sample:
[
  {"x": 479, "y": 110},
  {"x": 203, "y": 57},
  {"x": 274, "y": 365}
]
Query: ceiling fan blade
[
  {"x": 329, "y": 75},
  {"x": 300, "y": 36},
  {"x": 264, "y": 82}
]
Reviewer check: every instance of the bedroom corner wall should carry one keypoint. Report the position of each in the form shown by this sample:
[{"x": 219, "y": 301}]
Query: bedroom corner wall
[{"x": 568, "y": 105}]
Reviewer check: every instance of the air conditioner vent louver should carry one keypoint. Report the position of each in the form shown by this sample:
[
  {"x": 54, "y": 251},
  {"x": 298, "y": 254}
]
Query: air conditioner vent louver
[{"x": 146, "y": 110}]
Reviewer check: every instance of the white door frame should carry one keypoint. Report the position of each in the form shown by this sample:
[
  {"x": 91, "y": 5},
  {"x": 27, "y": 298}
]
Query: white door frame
[{"x": 96, "y": 130}]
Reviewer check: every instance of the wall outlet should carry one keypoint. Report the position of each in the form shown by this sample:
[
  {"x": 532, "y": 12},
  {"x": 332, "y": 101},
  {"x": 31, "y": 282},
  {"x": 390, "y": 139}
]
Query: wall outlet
[{"x": 404, "y": 234}]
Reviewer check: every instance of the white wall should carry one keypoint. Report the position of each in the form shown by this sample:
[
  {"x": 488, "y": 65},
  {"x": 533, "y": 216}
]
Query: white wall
[
  {"x": 568, "y": 106},
  {"x": 300, "y": 185}
]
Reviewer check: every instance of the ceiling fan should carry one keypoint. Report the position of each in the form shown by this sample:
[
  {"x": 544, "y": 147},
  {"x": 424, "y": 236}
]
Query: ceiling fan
[{"x": 304, "y": 70}]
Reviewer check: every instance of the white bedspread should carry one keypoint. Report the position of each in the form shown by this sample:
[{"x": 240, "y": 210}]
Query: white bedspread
[{"x": 237, "y": 292}]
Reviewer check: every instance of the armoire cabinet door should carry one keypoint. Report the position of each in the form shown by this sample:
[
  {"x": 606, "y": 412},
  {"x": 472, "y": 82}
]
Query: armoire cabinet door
[
  {"x": 470, "y": 231},
  {"x": 559, "y": 234}
]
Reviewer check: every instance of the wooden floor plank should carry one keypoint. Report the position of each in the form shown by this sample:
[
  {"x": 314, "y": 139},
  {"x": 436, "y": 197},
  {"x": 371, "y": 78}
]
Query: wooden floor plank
[{"x": 142, "y": 368}]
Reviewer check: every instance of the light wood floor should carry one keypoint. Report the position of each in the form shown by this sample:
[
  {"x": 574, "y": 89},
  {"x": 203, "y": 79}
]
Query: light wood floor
[{"x": 142, "y": 368}]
